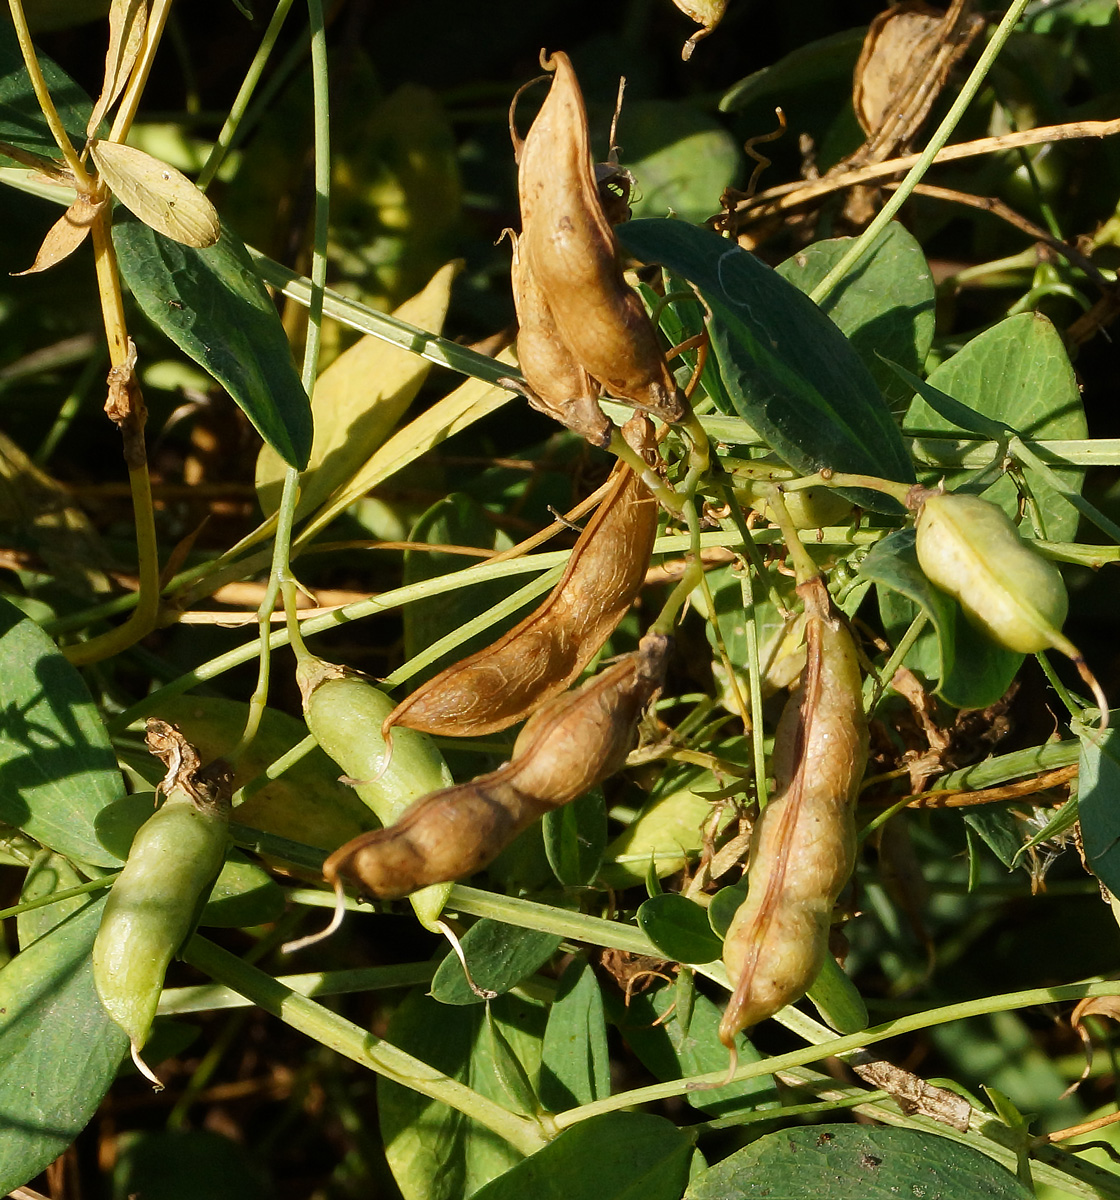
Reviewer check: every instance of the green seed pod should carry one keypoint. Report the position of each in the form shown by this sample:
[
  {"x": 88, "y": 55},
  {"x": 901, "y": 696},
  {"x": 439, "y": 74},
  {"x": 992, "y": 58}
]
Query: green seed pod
[
  {"x": 344, "y": 712},
  {"x": 175, "y": 858},
  {"x": 969, "y": 548}
]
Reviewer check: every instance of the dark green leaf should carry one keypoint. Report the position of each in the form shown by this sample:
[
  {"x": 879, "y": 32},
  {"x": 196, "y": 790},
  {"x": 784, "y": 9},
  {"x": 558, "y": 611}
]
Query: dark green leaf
[
  {"x": 21, "y": 120},
  {"x": 1000, "y": 831},
  {"x": 243, "y": 894},
  {"x": 1019, "y": 373},
  {"x": 506, "y": 1068},
  {"x": 885, "y": 308},
  {"x": 789, "y": 370},
  {"x": 668, "y": 1049},
  {"x": 185, "y": 1165},
  {"x": 831, "y": 57},
  {"x": 57, "y": 768},
  {"x": 679, "y": 928},
  {"x": 213, "y": 306},
  {"x": 575, "y": 1060},
  {"x": 1098, "y": 804},
  {"x": 854, "y": 1162},
  {"x": 975, "y": 672},
  {"x": 59, "y": 1050},
  {"x": 575, "y": 836},
  {"x": 618, "y": 1156},
  {"x": 724, "y": 905},
  {"x": 499, "y": 956}
]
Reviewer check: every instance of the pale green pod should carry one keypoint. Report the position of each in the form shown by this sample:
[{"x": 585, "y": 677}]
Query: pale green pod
[
  {"x": 174, "y": 860},
  {"x": 344, "y": 712},
  {"x": 969, "y": 548}
]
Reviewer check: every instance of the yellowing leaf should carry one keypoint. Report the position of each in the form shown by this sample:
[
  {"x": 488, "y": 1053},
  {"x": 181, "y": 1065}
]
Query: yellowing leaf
[
  {"x": 358, "y": 401},
  {"x": 64, "y": 236},
  {"x": 162, "y": 197},
  {"x": 128, "y": 19}
]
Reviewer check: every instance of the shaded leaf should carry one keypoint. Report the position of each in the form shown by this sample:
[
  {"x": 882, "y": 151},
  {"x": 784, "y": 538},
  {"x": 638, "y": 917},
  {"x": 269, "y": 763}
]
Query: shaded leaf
[
  {"x": 213, "y": 306},
  {"x": 653, "y": 1030},
  {"x": 885, "y": 307},
  {"x": 681, "y": 158},
  {"x": 57, "y": 767},
  {"x": 617, "y": 1156},
  {"x": 185, "y": 1164},
  {"x": 21, "y": 121},
  {"x": 575, "y": 1059},
  {"x": 500, "y": 956},
  {"x": 157, "y": 193},
  {"x": 854, "y": 1162},
  {"x": 1098, "y": 805},
  {"x": 1018, "y": 372},
  {"x": 789, "y": 370},
  {"x": 575, "y": 836},
  {"x": 974, "y": 671},
  {"x": 679, "y": 928},
  {"x": 59, "y": 1050}
]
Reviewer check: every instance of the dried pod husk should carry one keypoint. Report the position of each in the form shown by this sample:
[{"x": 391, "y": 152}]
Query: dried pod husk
[
  {"x": 803, "y": 844},
  {"x": 969, "y": 547},
  {"x": 570, "y": 745},
  {"x": 557, "y": 385},
  {"x": 538, "y": 658},
  {"x": 572, "y": 252}
]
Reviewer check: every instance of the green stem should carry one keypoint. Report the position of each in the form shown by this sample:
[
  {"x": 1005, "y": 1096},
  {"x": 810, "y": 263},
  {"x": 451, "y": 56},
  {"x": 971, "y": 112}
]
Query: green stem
[
  {"x": 249, "y": 85},
  {"x": 275, "y": 769},
  {"x": 354, "y": 1042},
  {"x": 839, "y": 1046},
  {"x": 94, "y": 885},
  {"x": 898, "y": 657},
  {"x": 1024, "y": 454},
  {"x": 944, "y": 131},
  {"x": 840, "y": 479},
  {"x": 666, "y": 497}
]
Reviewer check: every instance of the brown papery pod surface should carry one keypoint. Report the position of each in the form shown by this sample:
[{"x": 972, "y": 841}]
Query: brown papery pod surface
[
  {"x": 803, "y": 844},
  {"x": 569, "y": 746},
  {"x": 557, "y": 385},
  {"x": 539, "y": 657},
  {"x": 572, "y": 252}
]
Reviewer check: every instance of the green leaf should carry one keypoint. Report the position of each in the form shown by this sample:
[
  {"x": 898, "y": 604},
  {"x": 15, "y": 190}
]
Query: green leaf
[
  {"x": 1098, "y": 804},
  {"x": 681, "y": 158},
  {"x": 49, "y": 873},
  {"x": 575, "y": 836},
  {"x": 854, "y": 1162},
  {"x": 57, "y": 768},
  {"x": 1019, "y": 373},
  {"x": 885, "y": 308},
  {"x": 185, "y": 1164},
  {"x": 617, "y": 1156},
  {"x": 436, "y": 1152},
  {"x": 59, "y": 1051},
  {"x": 975, "y": 672},
  {"x": 500, "y": 956},
  {"x": 21, "y": 120},
  {"x": 213, "y": 306},
  {"x": 789, "y": 370},
  {"x": 832, "y": 57},
  {"x": 575, "y": 1059},
  {"x": 653, "y": 1030},
  {"x": 679, "y": 928},
  {"x": 243, "y": 894},
  {"x": 724, "y": 905}
]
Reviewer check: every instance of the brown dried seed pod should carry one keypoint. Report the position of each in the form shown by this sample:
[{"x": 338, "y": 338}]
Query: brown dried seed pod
[
  {"x": 557, "y": 385},
  {"x": 538, "y": 658},
  {"x": 573, "y": 254},
  {"x": 569, "y": 746},
  {"x": 803, "y": 845}
]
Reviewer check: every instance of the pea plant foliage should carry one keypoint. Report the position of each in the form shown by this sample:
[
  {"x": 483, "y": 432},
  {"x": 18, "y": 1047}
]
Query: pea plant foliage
[{"x": 659, "y": 749}]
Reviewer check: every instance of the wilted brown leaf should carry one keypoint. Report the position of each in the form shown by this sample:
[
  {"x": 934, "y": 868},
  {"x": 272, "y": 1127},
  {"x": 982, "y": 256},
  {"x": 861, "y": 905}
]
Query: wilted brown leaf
[
  {"x": 65, "y": 235},
  {"x": 912, "y": 1092},
  {"x": 128, "y": 20}
]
